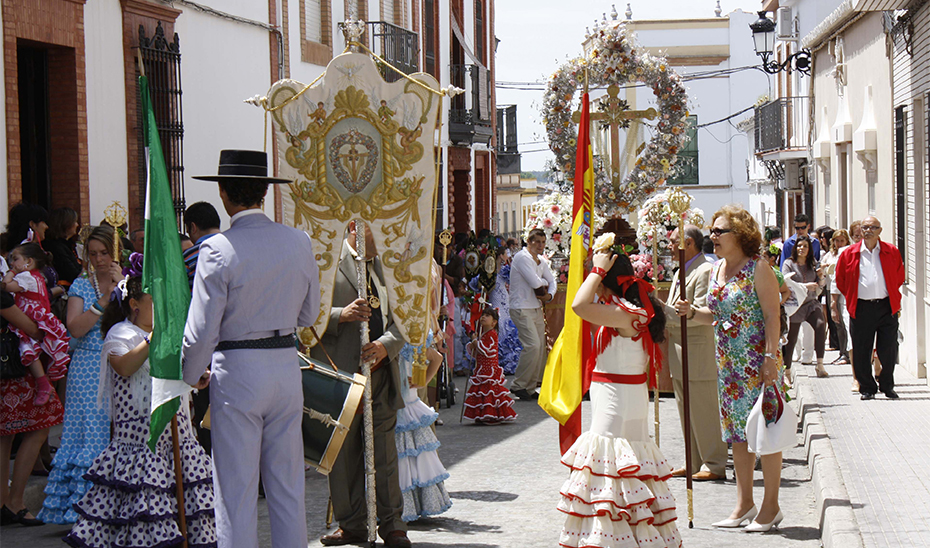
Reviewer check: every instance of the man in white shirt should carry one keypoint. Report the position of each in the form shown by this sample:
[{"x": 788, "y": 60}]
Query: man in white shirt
[
  {"x": 870, "y": 274},
  {"x": 531, "y": 286}
]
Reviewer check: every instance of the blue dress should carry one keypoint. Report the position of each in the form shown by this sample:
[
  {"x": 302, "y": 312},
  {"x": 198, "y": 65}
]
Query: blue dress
[
  {"x": 420, "y": 473},
  {"x": 86, "y": 430},
  {"x": 509, "y": 346}
]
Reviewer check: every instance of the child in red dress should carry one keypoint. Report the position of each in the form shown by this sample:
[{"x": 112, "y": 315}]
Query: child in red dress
[
  {"x": 26, "y": 282},
  {"x": 487, "y": 400}
]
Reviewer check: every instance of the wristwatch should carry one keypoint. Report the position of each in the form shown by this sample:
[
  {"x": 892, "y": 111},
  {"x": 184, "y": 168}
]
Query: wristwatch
[{"x": 771, "y": 355}]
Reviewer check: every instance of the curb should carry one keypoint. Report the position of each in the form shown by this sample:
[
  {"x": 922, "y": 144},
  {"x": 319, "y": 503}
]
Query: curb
[{"x": 838, "y": 525}]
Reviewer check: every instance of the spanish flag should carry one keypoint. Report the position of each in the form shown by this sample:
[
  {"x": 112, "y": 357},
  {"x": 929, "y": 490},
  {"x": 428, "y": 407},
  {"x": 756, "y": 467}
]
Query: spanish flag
[{"x": 563, "y": 384}]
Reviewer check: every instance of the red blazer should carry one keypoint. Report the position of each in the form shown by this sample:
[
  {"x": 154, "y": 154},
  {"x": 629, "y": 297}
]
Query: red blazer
[{"x": 847, "y": 275}]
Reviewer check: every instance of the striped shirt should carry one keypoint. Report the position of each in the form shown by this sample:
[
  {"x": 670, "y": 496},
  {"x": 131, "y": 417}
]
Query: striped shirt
[{"x": 190, "y": 258}]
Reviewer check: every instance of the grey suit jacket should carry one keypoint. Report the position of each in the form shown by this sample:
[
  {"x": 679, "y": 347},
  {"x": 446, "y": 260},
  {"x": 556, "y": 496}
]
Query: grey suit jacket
[
  {"x": 343, "y": 340},
  {"x": 702, "y": 360},
  {"x": 256, "y": 277}
]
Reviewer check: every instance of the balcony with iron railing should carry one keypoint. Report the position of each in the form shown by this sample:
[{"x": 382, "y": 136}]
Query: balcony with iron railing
[
  {"x": 471, "y": 113},
  {"x": 396, "y": 45},
  {"x": 782, "y": 128}
]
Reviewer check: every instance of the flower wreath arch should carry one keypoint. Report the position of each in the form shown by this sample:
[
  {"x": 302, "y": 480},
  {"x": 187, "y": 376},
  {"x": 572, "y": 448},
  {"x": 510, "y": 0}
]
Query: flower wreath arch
[{"x": 615, "y": 58}]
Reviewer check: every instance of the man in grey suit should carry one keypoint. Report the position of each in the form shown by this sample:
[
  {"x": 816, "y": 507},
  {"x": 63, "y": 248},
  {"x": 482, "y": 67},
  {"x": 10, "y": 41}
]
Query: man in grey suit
[
  {"x": 708, "y": 450},
  {"x": 249, "y": 297},
  {"x": 343, "y": 342}
]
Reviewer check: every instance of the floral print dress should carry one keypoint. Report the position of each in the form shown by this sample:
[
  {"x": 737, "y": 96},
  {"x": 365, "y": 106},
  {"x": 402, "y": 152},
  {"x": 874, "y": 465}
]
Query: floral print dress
[{"x": 739, "y": 329}]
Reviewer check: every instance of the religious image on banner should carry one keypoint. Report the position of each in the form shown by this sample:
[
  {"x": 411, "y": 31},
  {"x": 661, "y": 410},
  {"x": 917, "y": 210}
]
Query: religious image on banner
[{"x": 358, "y": 147}]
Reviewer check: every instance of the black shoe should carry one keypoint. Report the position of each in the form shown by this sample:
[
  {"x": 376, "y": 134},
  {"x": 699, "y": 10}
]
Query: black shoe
[
  {"x": 522, "y": 394},
  {"x": 891, "y": 394},
  {"x": 7, "y": 517},
  {"x": 867, "y": 396},
  {"x": 19, "y": 517}
]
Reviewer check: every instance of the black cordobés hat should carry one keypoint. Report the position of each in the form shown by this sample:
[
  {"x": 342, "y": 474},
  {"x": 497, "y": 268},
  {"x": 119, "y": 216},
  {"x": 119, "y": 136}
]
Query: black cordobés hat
[{"x": 243, "y": 165}]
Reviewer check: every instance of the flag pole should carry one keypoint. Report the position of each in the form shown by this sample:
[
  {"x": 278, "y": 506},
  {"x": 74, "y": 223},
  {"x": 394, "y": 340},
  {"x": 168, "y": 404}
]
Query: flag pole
[
  {"x": 179, "y": 480},
  {"x": 680, "y": 202},
  {"x": 367, "y": 416}
]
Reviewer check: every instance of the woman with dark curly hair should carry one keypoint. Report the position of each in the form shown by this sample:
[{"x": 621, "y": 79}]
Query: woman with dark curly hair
[
  {"x": 742, "y": 304},
  {"x": 617, "y": 486}
]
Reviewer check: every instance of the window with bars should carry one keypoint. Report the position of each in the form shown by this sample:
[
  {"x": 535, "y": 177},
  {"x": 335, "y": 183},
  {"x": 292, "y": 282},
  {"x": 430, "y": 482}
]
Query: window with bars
[
  {"x": 480, "y": 34},
  {"x": 162, "y": 62}
]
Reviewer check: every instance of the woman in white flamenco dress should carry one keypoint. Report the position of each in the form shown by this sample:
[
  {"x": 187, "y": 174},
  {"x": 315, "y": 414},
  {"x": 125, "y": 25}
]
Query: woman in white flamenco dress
[{"x": 616, "y": 495}]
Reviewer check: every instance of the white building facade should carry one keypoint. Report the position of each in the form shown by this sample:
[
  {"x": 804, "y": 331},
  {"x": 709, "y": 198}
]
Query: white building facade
[{"x": 229, "y": 50}]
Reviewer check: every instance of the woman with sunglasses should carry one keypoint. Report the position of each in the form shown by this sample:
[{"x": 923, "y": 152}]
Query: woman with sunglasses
[{"x": 742, "y": 304}]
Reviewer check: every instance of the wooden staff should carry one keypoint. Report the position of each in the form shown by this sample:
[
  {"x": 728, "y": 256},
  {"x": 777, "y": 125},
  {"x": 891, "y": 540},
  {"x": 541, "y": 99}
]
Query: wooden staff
[
  {"x": 179, "y": 480},
  {"x": 680, "y": 202},
  {"x": 368, "y": 419}
]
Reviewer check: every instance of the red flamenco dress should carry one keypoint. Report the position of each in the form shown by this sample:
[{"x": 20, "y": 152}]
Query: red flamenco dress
[
  {"x": 34, "y": 302},
  {"x": 487, "y": 400},
  {"x": 616, "y": 495}
]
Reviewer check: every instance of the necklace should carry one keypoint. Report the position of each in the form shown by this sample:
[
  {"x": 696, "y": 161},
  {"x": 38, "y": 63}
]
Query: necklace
[
  {"x": 96, "y": 284},
  {"x": 373, "y": 301}
]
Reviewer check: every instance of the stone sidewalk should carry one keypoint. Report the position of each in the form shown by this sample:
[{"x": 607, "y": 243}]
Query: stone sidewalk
[
  {"x": 869, "y": 459},
  {"x": 505, "y": 482}
]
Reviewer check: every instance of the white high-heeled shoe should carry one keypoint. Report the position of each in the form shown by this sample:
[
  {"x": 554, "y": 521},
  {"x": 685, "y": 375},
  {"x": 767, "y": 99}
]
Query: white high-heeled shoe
[
  {"x": 756, "y": 527},
  {"x": 738, "y": 522}
]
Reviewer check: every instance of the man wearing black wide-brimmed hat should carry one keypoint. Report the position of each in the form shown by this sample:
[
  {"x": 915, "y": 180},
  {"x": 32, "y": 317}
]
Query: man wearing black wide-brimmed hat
[{"x": 254, "y": 284}]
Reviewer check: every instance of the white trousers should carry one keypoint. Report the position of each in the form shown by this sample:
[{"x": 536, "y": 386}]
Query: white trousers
[
  {"x": 256, "y": 406},
  {"x": 531, "y": 329}
]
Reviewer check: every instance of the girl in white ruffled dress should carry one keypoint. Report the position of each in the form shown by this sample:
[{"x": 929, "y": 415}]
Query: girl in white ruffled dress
[
  {"x": 616, "y": 495},
  {"x": 132, "y": 500}
]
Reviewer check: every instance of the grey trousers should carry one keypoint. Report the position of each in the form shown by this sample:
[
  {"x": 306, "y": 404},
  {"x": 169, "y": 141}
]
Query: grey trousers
[
  {"x": 531, "y": 329},
  {"x": 347, "y": 480},
  {"x": 708, "y": 450},
  {"x": 256, "y": 409}
]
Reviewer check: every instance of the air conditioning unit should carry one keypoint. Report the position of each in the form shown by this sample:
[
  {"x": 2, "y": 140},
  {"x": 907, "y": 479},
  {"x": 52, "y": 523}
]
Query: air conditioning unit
[
  {"x": 793, "y": 175},
  {"x": 784, "y": 21}
]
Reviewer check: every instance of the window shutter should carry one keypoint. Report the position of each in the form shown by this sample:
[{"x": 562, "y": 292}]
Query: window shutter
[{"x": 314, "y": 11}]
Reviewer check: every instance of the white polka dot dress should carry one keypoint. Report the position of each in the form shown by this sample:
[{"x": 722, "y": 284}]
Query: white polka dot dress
[{"x": 132, "y": 501}]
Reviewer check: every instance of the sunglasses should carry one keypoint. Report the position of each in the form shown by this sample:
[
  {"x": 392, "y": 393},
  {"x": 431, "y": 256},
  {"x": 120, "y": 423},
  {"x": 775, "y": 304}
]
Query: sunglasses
[
  {"x": 719, "y": 231},
  {"x": 868, "y": 228},
  {"x": 802, "y": 227}
]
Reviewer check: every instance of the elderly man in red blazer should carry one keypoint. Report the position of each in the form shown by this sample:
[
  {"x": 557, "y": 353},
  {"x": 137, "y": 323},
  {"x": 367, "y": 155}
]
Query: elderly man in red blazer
[{"x": 869, "y": 274}]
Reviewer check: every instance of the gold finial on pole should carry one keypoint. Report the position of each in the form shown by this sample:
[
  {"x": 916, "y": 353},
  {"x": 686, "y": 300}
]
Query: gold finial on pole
[
  {"x": 680, "y": 203},
  {"x": 115, "y": 215},
  {"x": 445, "y": 238}
]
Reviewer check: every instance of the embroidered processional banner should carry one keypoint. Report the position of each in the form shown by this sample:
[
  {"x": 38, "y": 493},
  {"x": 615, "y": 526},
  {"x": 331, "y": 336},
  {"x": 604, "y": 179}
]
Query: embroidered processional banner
[{"x": 360, "y": 148}]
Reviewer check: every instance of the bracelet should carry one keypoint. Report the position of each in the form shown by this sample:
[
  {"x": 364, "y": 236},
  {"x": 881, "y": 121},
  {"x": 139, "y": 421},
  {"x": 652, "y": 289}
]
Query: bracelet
[
  {"x": 96, "y": 309},
  {"x": 771, "y": 355},
  {"x": 146, "y": 339},
  {"x": 599, "y": 271}
]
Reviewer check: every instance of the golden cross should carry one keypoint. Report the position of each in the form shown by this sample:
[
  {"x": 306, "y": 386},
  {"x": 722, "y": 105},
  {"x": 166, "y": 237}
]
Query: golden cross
[{"x": 615, "y": 116}]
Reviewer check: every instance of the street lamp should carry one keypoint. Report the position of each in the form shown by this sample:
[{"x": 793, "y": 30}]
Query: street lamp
[{"x": 763, "y": 37}]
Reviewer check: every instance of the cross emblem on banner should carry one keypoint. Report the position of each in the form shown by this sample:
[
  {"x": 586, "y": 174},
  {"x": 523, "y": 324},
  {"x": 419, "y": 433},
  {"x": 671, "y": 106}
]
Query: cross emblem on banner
[{"x": 616, "y": 114}]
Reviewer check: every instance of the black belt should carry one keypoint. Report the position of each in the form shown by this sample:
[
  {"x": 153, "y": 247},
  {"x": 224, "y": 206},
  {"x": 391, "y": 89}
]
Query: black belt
[
  {"x": 284, "y": 341},
  {"x": 874, "y": 300}
]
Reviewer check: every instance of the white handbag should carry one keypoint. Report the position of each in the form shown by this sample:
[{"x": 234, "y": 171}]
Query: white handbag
[{"x": 775, "y": 437}]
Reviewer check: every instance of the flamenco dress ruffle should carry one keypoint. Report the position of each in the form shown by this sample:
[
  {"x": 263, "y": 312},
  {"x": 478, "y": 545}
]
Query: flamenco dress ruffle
[
  {"x": 616, "y": 495},
  {"x": 487, "y": 400},
  {"x": 132, "y": 501},
  {"x": 420, "y": 472}
]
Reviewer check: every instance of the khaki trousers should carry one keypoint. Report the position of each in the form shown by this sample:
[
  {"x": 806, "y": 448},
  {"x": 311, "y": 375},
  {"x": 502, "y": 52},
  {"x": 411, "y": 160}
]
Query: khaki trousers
[
  {"x": 531, "y": 329},
  {"x": 708, "y": 450}
]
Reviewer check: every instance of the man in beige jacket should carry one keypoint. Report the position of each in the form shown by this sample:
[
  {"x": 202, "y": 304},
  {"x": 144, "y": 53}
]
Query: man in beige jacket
[{"x": 708, "y": 450}]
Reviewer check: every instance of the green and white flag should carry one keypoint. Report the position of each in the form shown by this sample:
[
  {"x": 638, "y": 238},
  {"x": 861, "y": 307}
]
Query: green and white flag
[{"x": 164, "y": 277}]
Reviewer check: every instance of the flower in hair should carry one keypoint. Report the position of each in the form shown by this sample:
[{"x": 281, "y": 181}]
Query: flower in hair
[
  {"x": 121, "y": 291},
  {"x": 134, "y": 270}
]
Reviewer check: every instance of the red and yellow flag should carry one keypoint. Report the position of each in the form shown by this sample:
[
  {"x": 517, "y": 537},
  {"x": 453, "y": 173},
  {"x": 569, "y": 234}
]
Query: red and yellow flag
[{"x": 563, "y": 385}]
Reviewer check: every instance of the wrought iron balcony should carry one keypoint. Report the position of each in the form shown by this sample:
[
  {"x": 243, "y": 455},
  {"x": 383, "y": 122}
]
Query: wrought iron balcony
[
  {"x": 508, "y": 155},
  {"x": 470, "y": 114},
  {"x": 783, "y": 126},
  {"x": 396, "y": 45}
]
